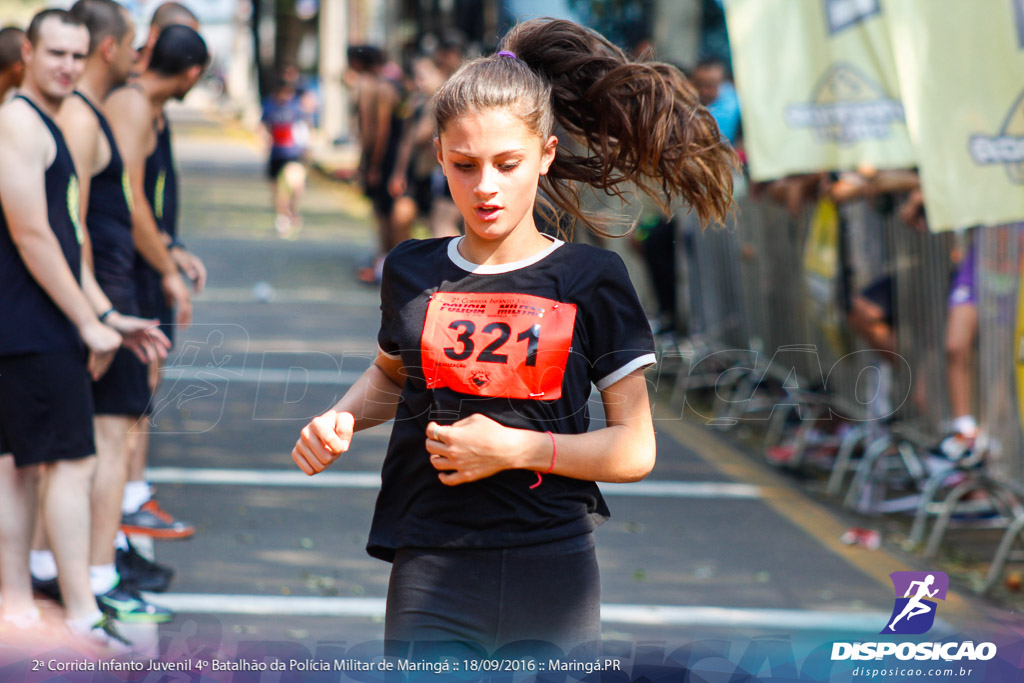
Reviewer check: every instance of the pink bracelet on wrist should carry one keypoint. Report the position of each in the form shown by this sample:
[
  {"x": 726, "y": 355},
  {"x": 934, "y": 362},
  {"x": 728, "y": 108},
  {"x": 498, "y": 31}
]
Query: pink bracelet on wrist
[{"x": 554, "y": 456}]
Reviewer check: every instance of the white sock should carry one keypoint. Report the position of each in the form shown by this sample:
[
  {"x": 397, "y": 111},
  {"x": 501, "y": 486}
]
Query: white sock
[
  {"x": 83, "y": 625},
  {"x": 121, "y": 541},
  {"x": 102, "y": 578},
  {"x": 42, "y": 565},
  {"x": 966, "y": 425},
  {"x": 136, "y": 493}
]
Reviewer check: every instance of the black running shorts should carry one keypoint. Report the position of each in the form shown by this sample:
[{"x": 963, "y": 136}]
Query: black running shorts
[
  {"x": 277, "y": 164},
  {"x": 546, "y": 597},
  {"x": 45, "y": 407},
  {"x": 124, "y": 389}
]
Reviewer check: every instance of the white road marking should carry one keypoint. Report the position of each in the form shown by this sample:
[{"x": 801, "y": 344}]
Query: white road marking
[
  {"x": 779, "y": 619},
  {"x": 297, "y": 295},
  {"x": 647, "y": 615},
  {"x": 220, "y": 477},
  {"x": 371, "y": 480},
  {"x": 684, "y": 489},
  {"x": 253, "y": 375}
]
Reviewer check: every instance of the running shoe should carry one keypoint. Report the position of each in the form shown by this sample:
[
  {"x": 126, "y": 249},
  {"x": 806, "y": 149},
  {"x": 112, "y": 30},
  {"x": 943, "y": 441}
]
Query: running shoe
[
  {"x": 283, "y": 225},
  {"x": 140, "y": 573},
  {"x": 153, "y": 520},
  {"x": 48, "y": 588},
  {"x": 956, "y": 448},
  {"x": 125, "y": 604},
  {"x": 105, "y": 640}
]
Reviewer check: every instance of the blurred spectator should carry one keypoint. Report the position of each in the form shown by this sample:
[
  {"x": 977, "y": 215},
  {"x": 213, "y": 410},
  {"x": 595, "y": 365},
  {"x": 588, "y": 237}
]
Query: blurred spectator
[
  {"x": 719, "y": 96},
  {"x": 656, "y": 236},
  {"x": 794, "y": 191},
  {"x": 412, "y": 182},
  {"x": 380, "y": 129},
  {"x": 961, "y": 335},
  {"x": 167, "y": 14},
  {"x": 871, "y": 309},
  {"x": 448, "y": 57},
  {"x": 12, "y": 68}
]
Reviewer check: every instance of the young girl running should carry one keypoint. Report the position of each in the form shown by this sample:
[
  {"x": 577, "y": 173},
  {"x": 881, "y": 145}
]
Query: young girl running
[{"x": 489, "y": 343}]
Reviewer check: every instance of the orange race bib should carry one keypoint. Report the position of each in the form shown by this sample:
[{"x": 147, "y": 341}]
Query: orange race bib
[{"x": 508, "y": 345}]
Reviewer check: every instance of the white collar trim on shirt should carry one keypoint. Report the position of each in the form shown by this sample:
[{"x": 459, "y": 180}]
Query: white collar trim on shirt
[{"x": 477, "y": 269}]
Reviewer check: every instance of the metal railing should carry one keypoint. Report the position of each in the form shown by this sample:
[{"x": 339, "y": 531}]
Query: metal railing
[{"x": 770, "y": 344}]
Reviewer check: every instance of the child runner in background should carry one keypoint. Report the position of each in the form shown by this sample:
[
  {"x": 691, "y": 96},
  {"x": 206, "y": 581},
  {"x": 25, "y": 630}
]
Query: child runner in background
[
  {"x": 490, "y": 342},
  {"x": 288, "y": 124}
]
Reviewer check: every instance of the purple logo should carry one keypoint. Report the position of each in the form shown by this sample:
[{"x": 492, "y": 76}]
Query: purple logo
[{"x": 916, "y": 593}]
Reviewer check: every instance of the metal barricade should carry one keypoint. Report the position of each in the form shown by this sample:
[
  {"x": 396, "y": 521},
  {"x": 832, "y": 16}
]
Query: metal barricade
[
  {"x": 1000, "y": 383},
  {"x": 771, "y": 315},
  {"x": 921, "y": 289},
  {"x": 716, "y": 308},
  {"x": 911, "y": 408},
  {"x": 1000, "y": 351}
]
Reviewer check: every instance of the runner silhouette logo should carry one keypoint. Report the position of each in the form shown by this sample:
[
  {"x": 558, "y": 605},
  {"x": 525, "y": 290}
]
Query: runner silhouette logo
[{"x": 914, "y": 609}]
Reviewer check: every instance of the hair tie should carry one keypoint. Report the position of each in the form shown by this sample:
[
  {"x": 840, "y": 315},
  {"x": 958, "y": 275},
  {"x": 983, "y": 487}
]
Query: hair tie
[{"x": 506, "y": 53}]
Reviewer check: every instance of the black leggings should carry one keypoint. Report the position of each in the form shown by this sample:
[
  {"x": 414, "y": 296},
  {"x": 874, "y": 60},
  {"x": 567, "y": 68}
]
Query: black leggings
[{"x": 477, "y": 601}]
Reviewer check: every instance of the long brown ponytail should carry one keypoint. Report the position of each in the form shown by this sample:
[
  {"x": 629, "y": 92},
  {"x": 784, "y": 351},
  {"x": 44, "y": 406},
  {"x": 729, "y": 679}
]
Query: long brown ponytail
[{"x": 640, "y": 124}]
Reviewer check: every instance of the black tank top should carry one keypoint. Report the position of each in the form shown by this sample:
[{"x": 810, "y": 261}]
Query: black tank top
[
  {"x": 30, "y": 322},
  {"x": 109, "y": 219},
  {"x": 161, "y": 182}
]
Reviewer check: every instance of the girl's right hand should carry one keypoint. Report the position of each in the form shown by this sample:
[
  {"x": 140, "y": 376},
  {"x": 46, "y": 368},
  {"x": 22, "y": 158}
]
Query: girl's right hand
[{"x": 322, "y": 441}]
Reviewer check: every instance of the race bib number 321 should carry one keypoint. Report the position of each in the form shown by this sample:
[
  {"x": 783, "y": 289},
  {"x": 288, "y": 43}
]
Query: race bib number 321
[{"x": 497, "y": 345}]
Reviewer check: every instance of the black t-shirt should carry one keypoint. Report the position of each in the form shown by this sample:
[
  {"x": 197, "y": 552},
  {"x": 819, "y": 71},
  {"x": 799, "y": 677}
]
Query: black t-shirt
[{"x": 520, "y": 343}]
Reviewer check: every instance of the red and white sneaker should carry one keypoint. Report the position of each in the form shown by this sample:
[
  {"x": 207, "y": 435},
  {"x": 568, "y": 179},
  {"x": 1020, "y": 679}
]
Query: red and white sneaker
[{"x": 153, "y": 520}]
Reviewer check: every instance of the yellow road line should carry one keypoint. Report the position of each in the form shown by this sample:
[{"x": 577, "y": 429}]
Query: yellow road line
[{"x": 816, "y": 520}]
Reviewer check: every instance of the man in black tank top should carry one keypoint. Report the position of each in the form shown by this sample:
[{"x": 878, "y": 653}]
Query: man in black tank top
[
  {"x": 178, "y": 60},
  {"x": 161, "y": 183},
  {"x": 180, "y": 57},
  {"x": 56, "y": 330},
  {"x": 121, "y": 395},
  {"x": 143, "y": 514}
]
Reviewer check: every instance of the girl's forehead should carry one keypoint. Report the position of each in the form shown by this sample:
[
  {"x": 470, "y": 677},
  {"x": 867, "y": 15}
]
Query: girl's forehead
[{"x": 486, "y": 125}]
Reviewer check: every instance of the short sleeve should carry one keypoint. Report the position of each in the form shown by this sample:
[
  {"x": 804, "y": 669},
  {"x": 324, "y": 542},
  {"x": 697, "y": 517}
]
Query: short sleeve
[
  {"x": 388, "y": 335},
  {"x": 619, "y": 336}
]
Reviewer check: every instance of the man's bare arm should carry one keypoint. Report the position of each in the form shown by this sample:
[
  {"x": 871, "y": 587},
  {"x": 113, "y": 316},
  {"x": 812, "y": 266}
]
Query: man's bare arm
[
  {"x": 81, "y": 133},
  {"x": 25, "y": 153},
  {"x": 130, "y": 116}
]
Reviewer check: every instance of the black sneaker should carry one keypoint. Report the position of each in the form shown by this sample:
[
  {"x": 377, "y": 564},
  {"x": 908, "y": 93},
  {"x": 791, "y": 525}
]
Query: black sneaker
[
  {"x": 125, "y": 604},
  {"x": 140, "y": 573},
  {"x": 48, "y": 588}
]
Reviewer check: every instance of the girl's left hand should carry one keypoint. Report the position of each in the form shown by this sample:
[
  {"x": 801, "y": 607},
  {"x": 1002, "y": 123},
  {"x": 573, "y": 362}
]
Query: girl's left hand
[{"x": 473, "y": 448}]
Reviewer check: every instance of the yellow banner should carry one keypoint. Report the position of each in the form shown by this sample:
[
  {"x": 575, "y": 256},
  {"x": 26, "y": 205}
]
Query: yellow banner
[
  {"x": 817, "y": 85},
  {"x": 961, "y": 71}
]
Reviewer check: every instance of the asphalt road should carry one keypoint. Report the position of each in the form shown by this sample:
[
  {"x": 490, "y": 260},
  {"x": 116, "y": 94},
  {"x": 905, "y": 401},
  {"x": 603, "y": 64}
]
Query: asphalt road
[{"x": 713, "y": 554}]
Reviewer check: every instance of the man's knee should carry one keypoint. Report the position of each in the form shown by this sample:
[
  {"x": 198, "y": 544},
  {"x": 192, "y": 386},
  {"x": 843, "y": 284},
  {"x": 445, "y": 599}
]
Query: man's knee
[
  {"x": 27, "y": 475},
  {"x": 76, "y": 472}
]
